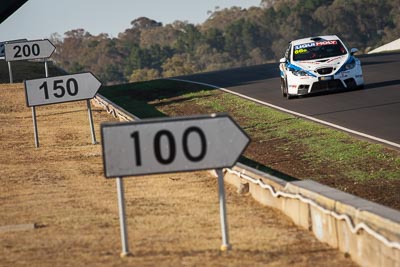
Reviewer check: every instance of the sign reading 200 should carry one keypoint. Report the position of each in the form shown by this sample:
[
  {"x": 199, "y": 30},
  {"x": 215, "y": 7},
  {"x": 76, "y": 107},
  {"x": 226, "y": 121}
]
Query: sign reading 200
[{"x": 26, "y": 50}]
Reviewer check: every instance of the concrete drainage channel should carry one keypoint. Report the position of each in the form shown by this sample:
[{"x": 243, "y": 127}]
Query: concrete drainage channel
[{"x": 368, "y": 232}]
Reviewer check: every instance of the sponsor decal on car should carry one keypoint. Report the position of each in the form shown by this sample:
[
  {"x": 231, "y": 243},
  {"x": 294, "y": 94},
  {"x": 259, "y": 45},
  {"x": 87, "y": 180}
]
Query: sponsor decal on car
[
  {"x": 310, "y": 62},
  {"x": 321, "y": 43},
  {"x": 332, "y": 42},
  {"x": 333, "y": 59},
  {"x": 300, "y": 46}
]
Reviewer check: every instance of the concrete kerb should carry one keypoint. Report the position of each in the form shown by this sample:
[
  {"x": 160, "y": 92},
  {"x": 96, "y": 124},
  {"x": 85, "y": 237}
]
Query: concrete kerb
[{"x": 368, "y": 232}]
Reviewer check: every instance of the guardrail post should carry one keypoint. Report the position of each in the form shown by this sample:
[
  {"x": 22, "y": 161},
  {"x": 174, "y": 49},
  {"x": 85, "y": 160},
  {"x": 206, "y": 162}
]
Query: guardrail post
[{"x": 91, "y": 122}]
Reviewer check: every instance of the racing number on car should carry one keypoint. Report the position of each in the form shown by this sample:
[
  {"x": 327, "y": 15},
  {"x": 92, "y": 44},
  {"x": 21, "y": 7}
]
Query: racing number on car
[
  {"x": 300, "y": 51},
  {"x": 163, "y": 137}
]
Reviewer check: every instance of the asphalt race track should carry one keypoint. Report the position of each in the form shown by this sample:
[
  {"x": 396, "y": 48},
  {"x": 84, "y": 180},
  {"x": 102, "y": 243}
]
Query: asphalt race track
[{"x": 373, "y": 111}]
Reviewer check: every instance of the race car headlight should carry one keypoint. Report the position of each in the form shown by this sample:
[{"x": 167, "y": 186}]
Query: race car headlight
[
  {"x": 350, "y": 65},
  {"x": 299, "y": 72}
]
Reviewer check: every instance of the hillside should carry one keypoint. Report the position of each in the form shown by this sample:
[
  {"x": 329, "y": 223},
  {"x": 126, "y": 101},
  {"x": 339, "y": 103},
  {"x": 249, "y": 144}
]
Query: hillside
[{"x": 228, "y": 38}]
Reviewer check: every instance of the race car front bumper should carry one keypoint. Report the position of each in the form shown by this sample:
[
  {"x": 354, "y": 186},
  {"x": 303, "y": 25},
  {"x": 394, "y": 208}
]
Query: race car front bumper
[{"x": 302, "y": 85}]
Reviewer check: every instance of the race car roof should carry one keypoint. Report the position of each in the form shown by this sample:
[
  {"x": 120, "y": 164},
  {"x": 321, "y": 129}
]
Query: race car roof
[
  {"x": 315, "y": 39},
  {"x": 8, "y": 7}
]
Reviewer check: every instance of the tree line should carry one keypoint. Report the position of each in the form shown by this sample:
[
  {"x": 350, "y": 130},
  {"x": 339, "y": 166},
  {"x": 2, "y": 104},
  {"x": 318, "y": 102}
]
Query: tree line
[{"x": 228, "y": 38}]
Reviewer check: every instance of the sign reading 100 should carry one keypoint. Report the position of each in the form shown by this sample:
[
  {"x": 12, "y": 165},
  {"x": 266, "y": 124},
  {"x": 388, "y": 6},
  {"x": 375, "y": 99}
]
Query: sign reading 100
[
  {"x": 171, "y": 154},
  {"x": 171, "y": 144}
]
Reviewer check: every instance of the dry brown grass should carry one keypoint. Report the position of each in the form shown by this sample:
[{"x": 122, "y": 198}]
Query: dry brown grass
[{"x": 173, "y": 219}]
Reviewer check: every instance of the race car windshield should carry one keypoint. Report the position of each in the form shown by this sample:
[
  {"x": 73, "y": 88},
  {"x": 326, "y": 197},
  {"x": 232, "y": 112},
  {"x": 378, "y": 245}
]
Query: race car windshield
[{"x": 318, "y": 50}]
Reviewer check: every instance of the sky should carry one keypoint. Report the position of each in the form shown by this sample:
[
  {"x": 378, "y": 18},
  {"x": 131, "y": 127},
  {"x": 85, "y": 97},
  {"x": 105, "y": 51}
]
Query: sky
[{"x": 38, "y": 19}]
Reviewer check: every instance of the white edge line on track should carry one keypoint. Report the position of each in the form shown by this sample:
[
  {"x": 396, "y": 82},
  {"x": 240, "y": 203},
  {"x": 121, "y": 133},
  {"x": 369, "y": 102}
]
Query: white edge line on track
[{"x": 296, "y": 114}]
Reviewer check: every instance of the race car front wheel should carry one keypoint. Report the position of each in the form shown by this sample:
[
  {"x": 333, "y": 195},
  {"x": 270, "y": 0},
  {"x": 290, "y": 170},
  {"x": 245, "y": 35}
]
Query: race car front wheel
[{"x": 284, "y": 89}]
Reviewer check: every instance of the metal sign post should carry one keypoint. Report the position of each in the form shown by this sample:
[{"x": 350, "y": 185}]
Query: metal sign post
[
  {"x": 122, "y": 218},
  {"x": 46, "y": 68},
  {"x": 35, "y": 128},
  {"x": 222, "y": 208},
  {"x": 60, "y": 89},
  {"x": 10, "y": 71},
  {"x": 172, "y": 145}
]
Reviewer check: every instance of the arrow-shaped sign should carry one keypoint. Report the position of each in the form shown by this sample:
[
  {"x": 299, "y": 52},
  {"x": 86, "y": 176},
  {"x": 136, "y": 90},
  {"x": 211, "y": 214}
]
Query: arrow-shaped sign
[
  {"x": 28, "y": 50},
  {"x": 61, "y": 89},
  {"x": 2, "y": 45},
  {"x": 171, "y": 145},
  {"x": 2, "y": 52}
]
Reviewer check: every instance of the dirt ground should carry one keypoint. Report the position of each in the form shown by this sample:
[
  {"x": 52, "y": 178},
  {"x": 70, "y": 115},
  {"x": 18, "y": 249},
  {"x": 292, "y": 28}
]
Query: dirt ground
[{"x": 173, "y": 219}]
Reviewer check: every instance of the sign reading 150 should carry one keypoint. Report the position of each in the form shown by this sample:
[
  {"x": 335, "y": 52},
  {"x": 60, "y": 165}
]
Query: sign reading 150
[
  {"x": 171, "y": 154},
  {"x": 59, "y": 90}
]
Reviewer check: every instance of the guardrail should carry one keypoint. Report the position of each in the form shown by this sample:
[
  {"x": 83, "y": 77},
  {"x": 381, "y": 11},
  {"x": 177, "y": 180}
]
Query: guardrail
[{"x": 368, "y": 232}]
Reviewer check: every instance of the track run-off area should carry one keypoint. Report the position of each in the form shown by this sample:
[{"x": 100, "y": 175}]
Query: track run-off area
[{"x": 57, "y": 209}]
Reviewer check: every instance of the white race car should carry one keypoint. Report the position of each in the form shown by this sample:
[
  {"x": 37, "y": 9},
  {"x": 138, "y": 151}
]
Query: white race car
[{"x": 318, "y": 64}]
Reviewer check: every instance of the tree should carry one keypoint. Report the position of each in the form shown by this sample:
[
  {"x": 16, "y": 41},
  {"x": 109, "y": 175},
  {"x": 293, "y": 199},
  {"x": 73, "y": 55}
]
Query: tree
[
  {"x": 188, "y": 38},
  {"x": 144, "y": 75},
  {"x": 179, "y": 64},
  {"x": 215, "y": 38}
]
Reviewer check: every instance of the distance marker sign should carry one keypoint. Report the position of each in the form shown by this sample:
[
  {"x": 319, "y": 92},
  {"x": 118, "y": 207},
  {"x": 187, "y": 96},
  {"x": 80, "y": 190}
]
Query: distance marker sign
[
  {"x": 2, "y": 52},
  {"x": 171, "y": 145},
  {"x": 61, "y": 89},
  {"x": 2, "y": 45},
  {"x": 15, "y": 51}
]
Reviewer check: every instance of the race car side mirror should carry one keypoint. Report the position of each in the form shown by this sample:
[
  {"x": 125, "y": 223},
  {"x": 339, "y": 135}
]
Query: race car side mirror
[
  {"x": 282, "y": 60},
  {"x": 353, "y": 51}
]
